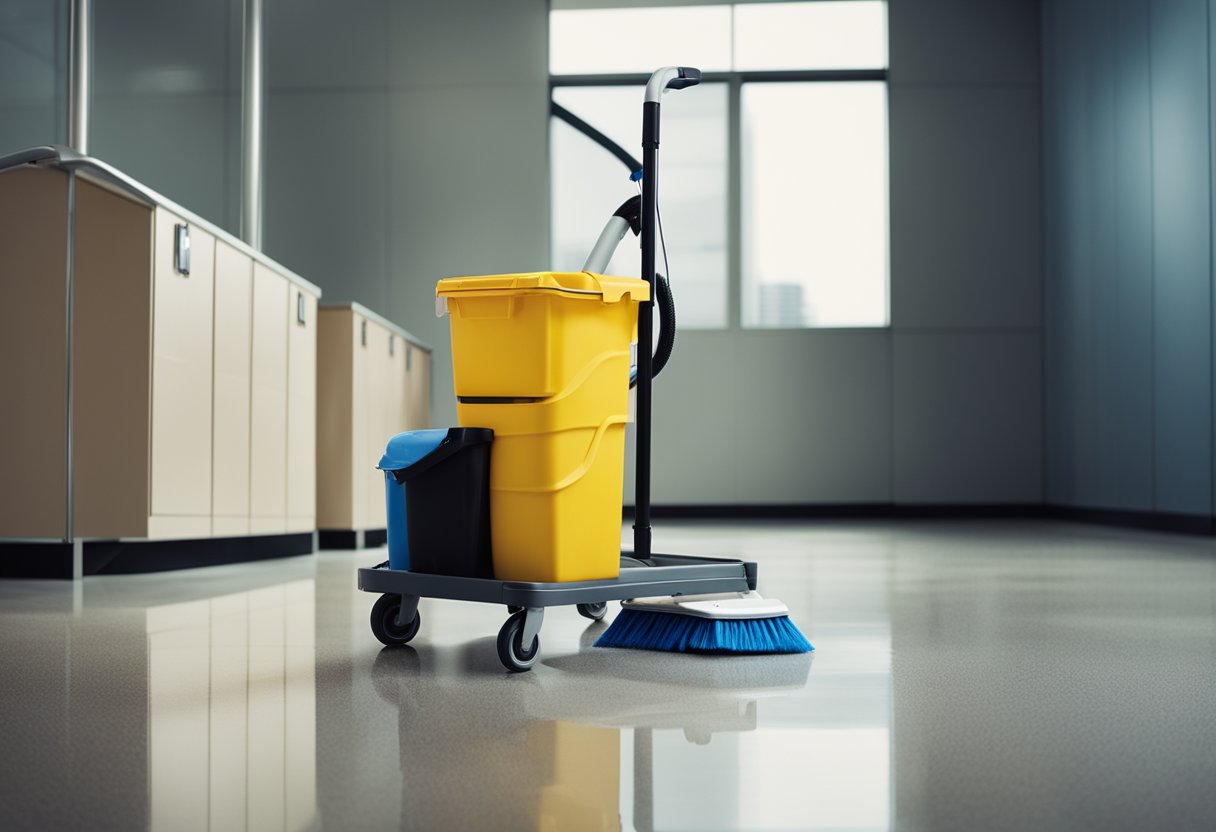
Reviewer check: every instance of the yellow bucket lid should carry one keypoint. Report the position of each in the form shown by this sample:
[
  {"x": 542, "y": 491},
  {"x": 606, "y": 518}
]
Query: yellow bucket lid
[{"x": 602, "y": 287}]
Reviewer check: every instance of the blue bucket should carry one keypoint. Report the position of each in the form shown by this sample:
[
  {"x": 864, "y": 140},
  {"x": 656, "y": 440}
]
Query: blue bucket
[{"x": 403, "y": 450}]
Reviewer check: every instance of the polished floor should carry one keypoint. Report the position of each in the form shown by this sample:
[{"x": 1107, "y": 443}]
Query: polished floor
[{"x": 968, "y": 676}]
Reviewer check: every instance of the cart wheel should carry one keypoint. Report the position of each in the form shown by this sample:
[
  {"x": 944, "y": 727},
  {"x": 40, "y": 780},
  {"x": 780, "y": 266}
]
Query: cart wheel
[
  {"x": 595, "y": 612},
  {"x": 510, "y": 648},
  {"x": 384, "y": 621}
]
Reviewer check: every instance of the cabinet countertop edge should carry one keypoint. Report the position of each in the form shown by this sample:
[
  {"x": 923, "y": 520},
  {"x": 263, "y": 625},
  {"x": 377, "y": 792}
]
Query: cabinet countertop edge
[{"x": 67, "y": 159}]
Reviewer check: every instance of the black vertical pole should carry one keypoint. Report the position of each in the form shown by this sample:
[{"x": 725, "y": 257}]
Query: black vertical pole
[{"x": 650, "y": 189}]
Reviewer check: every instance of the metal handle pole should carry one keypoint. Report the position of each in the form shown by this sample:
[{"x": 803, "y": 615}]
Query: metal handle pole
[{"x": 650, "y": 187}]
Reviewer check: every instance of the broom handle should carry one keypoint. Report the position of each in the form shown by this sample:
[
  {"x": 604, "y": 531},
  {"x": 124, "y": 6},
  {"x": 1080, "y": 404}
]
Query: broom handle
[{"x": 676, "y": 78}]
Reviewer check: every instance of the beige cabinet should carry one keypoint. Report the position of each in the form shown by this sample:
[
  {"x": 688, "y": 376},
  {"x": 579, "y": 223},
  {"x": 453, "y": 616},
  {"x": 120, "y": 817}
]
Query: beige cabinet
[
  {"x": 192, "y": 369},
  {"x": 383, "y": 417},
  {"x": 182, "y": 343},
  {"x": 33, "y": 250},
  {"x": 302, "y": 412},
  {"x": 268, "y": 404},
  {"x": 373, "y": 381},
  {"x": 230, "y": 401},
  {"x": 418, "y": 391}
]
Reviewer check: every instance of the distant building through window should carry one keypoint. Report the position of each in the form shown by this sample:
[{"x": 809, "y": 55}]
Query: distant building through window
[{"x": 773, "y": 194}]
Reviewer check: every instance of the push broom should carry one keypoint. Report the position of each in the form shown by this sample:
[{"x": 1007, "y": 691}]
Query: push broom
[{"x": 729, "y": 623}]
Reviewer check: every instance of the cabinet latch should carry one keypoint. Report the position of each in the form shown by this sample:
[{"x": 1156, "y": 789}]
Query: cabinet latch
[{"x": 181, "y": 248}]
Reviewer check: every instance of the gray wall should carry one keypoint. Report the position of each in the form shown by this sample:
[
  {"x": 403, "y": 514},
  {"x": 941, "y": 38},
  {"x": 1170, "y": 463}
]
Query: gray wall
[
  {"x": 166, "y": 92},
  {"x": 1128, "y": 172},
  {"x": 33, "y": 73},
  {"x": 166, "y": 99},
  {"x": 945, "y": 407},
  {"x": 407, "y": 141}
]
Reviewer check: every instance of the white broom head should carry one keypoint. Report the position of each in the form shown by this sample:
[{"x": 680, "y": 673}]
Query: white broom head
[{"x": 725, "y": 605}]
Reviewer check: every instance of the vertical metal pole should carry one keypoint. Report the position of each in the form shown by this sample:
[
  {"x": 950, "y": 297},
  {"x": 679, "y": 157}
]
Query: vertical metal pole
[
  {"x": 650, "y": 189},
  {"x": 80, "y": 35},
  {"x": 252, "y": 88},
  {"x": 69, "y": 303}
]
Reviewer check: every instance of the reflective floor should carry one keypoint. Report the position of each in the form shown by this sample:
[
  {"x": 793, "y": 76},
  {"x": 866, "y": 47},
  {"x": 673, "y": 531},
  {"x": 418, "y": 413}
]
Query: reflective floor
[{"x": 968, "y": 675}]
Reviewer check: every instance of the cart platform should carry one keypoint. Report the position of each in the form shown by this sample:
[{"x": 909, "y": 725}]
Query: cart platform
[{"x": 395, "y": 618}]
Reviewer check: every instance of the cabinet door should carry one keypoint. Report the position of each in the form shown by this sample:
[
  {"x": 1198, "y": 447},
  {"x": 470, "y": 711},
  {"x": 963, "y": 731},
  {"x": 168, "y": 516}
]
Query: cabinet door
[
  {"x": 360, "y": 426},
  {"x": 33, "y": 255},
  {"x": 112, "y": 364},
  {"x": 336, "y": 351},
  {"x": 268, "y": 404},
  {"x": 302, "y": 412},
  {"x": 233, "y": 364},
  {"x": 418, "y": 394},
  {"x": 181, "y": 373},
  {"x": 396, "y": 386},
  {"x": 376, "y": 398}
]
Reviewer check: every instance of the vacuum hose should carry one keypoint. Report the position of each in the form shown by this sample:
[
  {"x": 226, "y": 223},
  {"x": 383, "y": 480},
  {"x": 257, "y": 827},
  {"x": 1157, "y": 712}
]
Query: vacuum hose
[
  {"x": 667, "y": 325},
  {"x": 629, "y": 218}
]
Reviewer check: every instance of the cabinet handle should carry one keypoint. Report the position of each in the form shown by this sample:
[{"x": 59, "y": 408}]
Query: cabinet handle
[
  {"x": 363, "y": 334},
  {"x": 409, "y": 357},
  {"x": 391, "y": 343},
  {"x": 300, "y": 308},
  {"x": 181, "y": 248}
]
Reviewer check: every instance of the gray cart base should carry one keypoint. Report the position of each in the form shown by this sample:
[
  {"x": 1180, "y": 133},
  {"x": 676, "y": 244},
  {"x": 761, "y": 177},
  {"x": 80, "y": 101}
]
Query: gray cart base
[{"x": 395, "y": 618}]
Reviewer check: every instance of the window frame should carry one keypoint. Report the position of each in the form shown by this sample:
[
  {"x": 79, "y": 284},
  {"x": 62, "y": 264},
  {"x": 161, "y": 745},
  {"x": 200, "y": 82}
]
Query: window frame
[{"x": 734, "y": 81}]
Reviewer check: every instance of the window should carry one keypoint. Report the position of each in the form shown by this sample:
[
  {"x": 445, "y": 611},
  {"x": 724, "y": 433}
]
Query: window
[
  {"x": 588, "y": 184},
  {"x": 773, "y": 197}
]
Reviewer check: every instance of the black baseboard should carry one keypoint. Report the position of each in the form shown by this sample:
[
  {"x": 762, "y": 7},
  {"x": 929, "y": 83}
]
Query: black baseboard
[
  {"x": 56, "y": 560},
  {"x": 116, "y": 557},
  {"x": 1147, "y": 520},
  {"x": 1144, "y": 520},
  {"x": 840, "y": 511},
  {"x": 348, "y": 539},
  {"x": 125, "y": 558},
  {"x": 53, "y": 560}
]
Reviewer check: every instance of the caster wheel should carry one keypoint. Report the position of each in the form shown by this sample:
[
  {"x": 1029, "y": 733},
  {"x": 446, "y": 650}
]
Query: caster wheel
[
  {"x": 384, "y": 621},
  {"x": 595, "y": 612},
  {"x": 510, "y": 645}
]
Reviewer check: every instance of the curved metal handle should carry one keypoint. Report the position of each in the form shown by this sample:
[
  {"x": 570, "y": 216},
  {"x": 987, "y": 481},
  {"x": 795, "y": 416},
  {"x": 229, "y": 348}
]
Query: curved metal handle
[{"x": 671, "y": 78}]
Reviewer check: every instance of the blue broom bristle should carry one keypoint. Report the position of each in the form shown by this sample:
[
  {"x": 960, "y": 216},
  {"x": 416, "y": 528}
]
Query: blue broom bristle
[{"x": 646, "y": 630}]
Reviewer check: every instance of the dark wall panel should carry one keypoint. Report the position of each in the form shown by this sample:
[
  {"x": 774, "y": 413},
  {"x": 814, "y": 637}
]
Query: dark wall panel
[
  {"x": 1124, "y": 423},
  {"x": 33, "y": 73},
  {"x": 1182, "y": 300},
  {"x": 1128, "y": 228},
  {"x": 1067, "y": 237}
]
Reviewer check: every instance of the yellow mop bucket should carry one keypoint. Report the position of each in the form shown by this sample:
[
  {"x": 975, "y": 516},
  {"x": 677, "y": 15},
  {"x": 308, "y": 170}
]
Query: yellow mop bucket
[{"x": 543, "y": 359}]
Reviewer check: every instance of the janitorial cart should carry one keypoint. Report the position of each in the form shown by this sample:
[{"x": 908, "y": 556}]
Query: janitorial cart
[{"x": 520, "y": 506}]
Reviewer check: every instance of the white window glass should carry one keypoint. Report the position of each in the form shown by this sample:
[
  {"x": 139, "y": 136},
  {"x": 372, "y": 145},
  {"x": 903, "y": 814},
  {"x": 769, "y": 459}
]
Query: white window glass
[
  {"x": 814, "y": 204},
  {"x": 823, "y": 35},
  {"x": 585, "y": 41},
  {"x": 588, "y": 184}
]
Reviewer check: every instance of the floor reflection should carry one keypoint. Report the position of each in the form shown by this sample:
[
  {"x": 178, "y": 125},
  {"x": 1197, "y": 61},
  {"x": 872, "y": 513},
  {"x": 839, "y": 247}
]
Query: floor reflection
[
  {"x": 994, "y": 676},
  {"x": 232, "y": 711},
  {"x": 156, "y": 702},
  {"x": 664, "y": 742}
]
